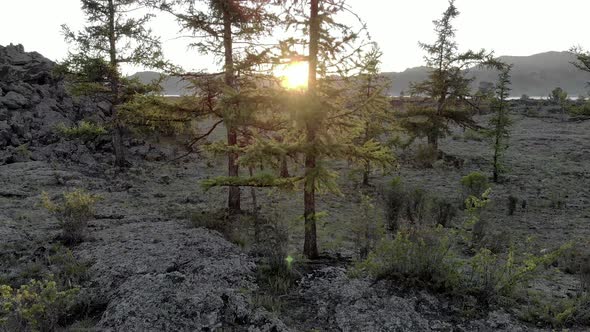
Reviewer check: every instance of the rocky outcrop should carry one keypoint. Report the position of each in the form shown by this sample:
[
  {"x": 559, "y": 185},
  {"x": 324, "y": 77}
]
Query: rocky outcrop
[
  {"x": 32, "y": 103},
  {"x": 160, "y": 276},
  {"x": 329, "y": 300}
]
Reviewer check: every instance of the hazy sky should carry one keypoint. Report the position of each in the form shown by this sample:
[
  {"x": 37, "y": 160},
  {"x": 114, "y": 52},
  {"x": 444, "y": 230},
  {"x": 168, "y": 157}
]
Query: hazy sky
[{"x": 509, "y": 27}]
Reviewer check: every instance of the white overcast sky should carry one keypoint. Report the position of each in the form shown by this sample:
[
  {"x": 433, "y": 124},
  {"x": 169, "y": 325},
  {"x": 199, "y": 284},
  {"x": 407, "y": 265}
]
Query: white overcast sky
[{"x": 509, "y": 27}]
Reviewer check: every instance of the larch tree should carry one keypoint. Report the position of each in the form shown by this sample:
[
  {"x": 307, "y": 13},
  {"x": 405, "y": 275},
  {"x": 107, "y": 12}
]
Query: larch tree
[
  {"x": 327, "y": 114},
  {"x": 111, "y": 38},
  {"x": 500, "y": 122},
  {"x": 322, "y": 121},
  {"x": 376, "y": 116},
  {"x": 228, "y": 30},
  {"x": 447, "y": 88}
]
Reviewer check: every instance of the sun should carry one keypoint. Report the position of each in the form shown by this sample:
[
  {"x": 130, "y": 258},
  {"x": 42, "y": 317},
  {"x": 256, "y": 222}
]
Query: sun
[{"x": 294, "y": 75}]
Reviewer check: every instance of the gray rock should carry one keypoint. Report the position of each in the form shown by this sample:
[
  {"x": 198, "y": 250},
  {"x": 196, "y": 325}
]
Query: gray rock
[
  {"x": 178, "y": 280},
  {"x": 13, "y": 100}
]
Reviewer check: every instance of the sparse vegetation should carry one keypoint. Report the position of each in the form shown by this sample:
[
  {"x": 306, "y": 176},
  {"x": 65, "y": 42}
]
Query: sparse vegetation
[
  {"x": 291, "y": 98},
  {"x": 36, "y": 306},
  {"x": 73, "y": 212},
  {"x": 474, "y": 184},
  {"x": 84, "y": 130}
]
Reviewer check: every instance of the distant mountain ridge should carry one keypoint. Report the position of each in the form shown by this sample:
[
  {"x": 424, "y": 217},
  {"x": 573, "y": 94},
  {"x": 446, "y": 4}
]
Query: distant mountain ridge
[{"x": 534, "y": 75}]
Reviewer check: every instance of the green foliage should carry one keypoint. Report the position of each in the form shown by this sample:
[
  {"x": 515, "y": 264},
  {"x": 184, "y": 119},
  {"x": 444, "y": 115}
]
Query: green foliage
[
  {"x": 494, "y": 277},
  {"x": 23, "y": 151},
  {"x": 546, "y": 311},
  {"x": 430, "y": 257},
  {"x": 407, "y": 206},
  {"x": 473, "y": 135},
  {"x": 512, "y": 202},
  {"x": 73, "y": 213},
  {"x": 68, "y": 271},
  {"x": 558, "y": 96},
  {"x": 420, "y": 257},
  {"x": 581, "y": 110},
  {"x": 259, "y": 180},
  {"x": 111, "y": 37},
  {"x": 36, "y": 306},
  {"x": 426, "y": 156},
  {"x": 84, "y": 130},
  {"x": 474, "y": 184},
  {"x": 368, "y": 228},
  {"x": 500, "y": 123},
  {"x": 447, "y": 87}
]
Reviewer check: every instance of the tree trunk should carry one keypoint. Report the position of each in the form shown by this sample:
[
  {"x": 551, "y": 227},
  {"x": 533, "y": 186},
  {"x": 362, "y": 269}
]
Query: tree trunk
[
  {"x": 367, "y": 173},
  {"x": 117, "y": 139},
  {"x": 284, "y": 167},
  {"x": 233, "y": 201},
  {"x": 433, "y": 141},
  {"x": 310, "y": 247}
]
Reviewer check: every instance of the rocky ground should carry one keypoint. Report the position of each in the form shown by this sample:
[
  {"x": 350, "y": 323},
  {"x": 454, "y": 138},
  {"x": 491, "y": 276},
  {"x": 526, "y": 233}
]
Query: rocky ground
[{"x": 150, "y": 270}]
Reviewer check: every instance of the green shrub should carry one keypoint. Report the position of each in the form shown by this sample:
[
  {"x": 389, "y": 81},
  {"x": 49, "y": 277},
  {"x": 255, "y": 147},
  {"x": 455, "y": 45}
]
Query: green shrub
[
  {"x": 215, "y": 221},
  {"x": 474, "y": 184},
  {"x": 430, "y": 256},
  {"x": 444, "y": 211},
  {"x": 582, "y": 110},
  {"x": 68, "y": 270},
  {"x": 415, "y": 206},
  {"x": 23, "y": 151},
  {"x": 426, "y": 156},
  {"x": 417, "y": 257},
  {"x": 368, "y": 229},
  {"x": 394, "y": 203},
  {"x": 84, "y": 130},
  {"x": 73, "y": 213},
  {"x": 548, "y": 311},
  {"x": 512, "y": 202},
  {"x": 36, "y": 306},
  {"x": 494, "y": 277},
  {"x": 473, "y": 135}
]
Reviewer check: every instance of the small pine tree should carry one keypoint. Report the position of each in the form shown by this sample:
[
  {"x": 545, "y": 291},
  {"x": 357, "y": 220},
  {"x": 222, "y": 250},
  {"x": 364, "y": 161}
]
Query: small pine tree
[
  {"x": 500, "y": 122},
  {"x": 447, "y": 88},
  {"x": 375, "y": 111},
  {"x": 111, "y": 38},
  {"x": 220, "y": 25}
]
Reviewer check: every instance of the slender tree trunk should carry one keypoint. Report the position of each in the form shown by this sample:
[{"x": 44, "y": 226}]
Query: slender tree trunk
[
  {"x": 310, "y": 247},
  {"x": 117, "y": 139},
  {"x": 254, "y": 209},
  {"x": 284, "y": 167},
  {"x": 367, "y": 173},
  {"x": 496, "y": 147},
  {"x": 233, "y": 201}
]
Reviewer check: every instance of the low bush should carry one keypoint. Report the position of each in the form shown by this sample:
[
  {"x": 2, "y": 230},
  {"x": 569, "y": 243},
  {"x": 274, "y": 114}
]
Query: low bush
[
  {"x": 512, "y": 202},
  {"x": 36, "y": 306},
  {"x": 546, "y": 311},
  {"x": 394, "y": 204},
  {"x": 84, "y": 130},
  {"x": 581, "y": 110},
  {"x": 426, "y": 156},
  {"x": 73, "y": 213},
  {"x": 434, "y": 257},
  {"x": 412, "y": 206},
  {"x": 473, "y": 135},
  {"x": 474, "y": 184},
  {"x": 417, "y": 257}
]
